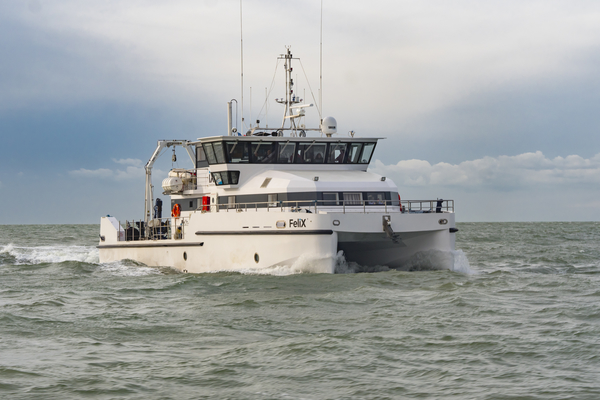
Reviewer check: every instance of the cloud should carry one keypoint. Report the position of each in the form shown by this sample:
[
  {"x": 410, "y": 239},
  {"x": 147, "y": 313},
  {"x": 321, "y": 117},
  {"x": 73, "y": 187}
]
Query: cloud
[
  {"x": 129, "y": 161},
  {"x": 134, "y": 170},
  {"x": 503, "y": 172},
  {"x": 102, "y": 173},
  {"x": 410, "y": 58}
]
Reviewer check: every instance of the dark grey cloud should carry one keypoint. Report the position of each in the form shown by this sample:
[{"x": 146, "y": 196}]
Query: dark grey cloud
[{"x": 557, "y": 117}]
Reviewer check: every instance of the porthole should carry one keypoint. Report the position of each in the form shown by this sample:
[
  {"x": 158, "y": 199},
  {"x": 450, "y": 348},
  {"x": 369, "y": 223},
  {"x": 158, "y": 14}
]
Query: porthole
[
  {"x": 256, "y": 258},
  {"x": 185, "y": 255}
]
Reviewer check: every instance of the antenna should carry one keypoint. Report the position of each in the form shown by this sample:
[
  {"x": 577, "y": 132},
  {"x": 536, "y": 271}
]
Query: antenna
[
  {"x": 242, "y": 63},
  {"x": 266, "y": 108},
  {"x": 321, "y": 67}
]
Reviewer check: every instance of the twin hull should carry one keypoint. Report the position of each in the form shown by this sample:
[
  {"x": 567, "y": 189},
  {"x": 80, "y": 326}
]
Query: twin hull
[{"x": 260, "y": 240}]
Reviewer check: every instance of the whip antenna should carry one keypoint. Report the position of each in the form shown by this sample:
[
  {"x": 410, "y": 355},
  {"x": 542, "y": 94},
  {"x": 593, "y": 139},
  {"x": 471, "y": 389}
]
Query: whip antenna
[
  {"x": 321, "y": 67},
  {"x": 242, "y": 63}
]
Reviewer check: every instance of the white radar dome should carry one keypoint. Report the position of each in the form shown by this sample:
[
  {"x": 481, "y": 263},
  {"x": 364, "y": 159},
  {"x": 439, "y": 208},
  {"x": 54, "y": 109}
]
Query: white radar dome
[{"x": 329, "y": 126}]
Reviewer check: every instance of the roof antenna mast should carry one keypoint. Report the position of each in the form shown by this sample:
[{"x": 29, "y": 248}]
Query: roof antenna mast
[
  {"x": 321, "y": 67},
  {"x": 242, "y": 64}
]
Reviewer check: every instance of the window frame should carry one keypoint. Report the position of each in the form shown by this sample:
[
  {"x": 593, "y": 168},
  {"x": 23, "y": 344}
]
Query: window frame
[
  {"x": 245, "y": 151},
  {"x": 201, "y": 161},
  {"x": 210, "y": 153},
  {"x": 358, "y": 153},
  {"x": 362, "y": 153},
  {"x": 265, "y": 160},
  {"x": 333, "y": 147},
  {"x": 283, "y": 147},
  {"x": 226, "y": 178},
  {"x": 327, "y": 202},
  {"x": 353, "y": 202}
]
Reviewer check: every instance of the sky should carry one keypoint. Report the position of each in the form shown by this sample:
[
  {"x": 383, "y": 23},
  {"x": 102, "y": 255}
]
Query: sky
[{"x": 493, "y": 104}]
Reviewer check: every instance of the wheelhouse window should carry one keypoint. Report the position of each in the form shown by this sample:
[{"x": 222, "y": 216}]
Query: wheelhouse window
[
  {"x": 286, "y": 153},
  {"x": 353, "y": 199},
  {"x": 367, "y": 152},
  {"x": 311, "y": 153},
  {"x": 337, "y": 153},
  {"x": 210, "y": 153},
  {"x": 354, "y": 153},
  {"x": 226, "y": 177},
  {"x": 219, "y": 152},
  {"x": 237, "y": 152},
  {"x": 201, "y": 161},
  {"x": 263, "y": 152}
]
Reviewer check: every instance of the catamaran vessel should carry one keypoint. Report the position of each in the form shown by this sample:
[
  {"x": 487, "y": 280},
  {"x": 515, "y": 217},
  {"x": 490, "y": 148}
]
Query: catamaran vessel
[{"x": 274, "y": 197}]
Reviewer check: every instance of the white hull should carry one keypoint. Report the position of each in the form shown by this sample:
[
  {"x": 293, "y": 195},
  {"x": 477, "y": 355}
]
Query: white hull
[{"x": 250, "y": 240}]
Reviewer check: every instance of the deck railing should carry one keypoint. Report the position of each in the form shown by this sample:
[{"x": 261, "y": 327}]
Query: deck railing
[
  {"x": 163, "y": 228},
  {"x": 428, "y": 206},
  {"x": 363, "y": 206},
  {"x": 157, "y": 229}
]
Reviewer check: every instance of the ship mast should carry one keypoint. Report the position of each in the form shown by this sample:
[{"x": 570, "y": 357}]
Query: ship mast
[{"x": 292, "y": 110}]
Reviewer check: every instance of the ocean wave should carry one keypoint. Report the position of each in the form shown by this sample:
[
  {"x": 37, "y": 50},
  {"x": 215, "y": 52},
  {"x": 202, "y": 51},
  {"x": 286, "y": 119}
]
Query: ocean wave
[
  {"x": 20, "y": 255},
  {"x": 461, "y": 263},
  {"x": 305, "y": 264},
  {"x": 128, "y": 268},
  {"x": 431, "y": 260},
  {"x": 6, "y": 256}
]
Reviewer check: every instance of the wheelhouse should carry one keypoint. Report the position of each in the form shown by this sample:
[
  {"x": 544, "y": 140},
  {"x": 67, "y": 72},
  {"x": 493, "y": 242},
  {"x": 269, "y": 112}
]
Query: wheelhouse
[{"x": 280, "y": 150}]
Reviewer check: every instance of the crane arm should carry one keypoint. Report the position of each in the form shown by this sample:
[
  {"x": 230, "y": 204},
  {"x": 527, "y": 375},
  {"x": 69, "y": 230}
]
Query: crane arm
[{"x": 162, "y": 144}]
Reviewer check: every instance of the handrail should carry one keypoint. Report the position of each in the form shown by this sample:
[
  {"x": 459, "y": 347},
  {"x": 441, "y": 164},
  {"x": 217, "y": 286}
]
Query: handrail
[
  {"x": 364, "y": 206},
  {"x": 156, "y": 229},
  {"x": 438, "y": 205}
]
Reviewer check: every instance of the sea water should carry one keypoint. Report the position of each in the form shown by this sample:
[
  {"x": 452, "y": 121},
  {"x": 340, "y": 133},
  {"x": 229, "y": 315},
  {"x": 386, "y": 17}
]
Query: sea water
[{"x": 514, "y": 316}]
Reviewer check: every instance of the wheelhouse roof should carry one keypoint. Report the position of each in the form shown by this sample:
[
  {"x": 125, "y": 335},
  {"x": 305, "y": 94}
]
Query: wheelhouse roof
[{"x": 286, "y": 139}]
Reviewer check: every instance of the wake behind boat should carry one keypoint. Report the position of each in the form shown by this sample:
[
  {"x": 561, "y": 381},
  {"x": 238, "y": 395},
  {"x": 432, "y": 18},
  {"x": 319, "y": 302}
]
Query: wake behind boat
[{"x": 273, "y": 197}]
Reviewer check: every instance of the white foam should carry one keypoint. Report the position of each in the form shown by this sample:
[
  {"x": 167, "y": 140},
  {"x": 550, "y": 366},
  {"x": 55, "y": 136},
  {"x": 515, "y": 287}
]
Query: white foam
[
  {"x": 427, "y": 260},
  {"x": 437, "y": 260},
  {"x": 7, "y": 249},
  {"x": 461, "y": 263},
  {"x": 423, "y": 261},
  {"x": 128, "y": 268},
  {"x": 51, "y": 254},
  {"x": 305, "y": 264},
  {"x": 430, "y": 260},
  {"x": 344, "y": 267}
]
